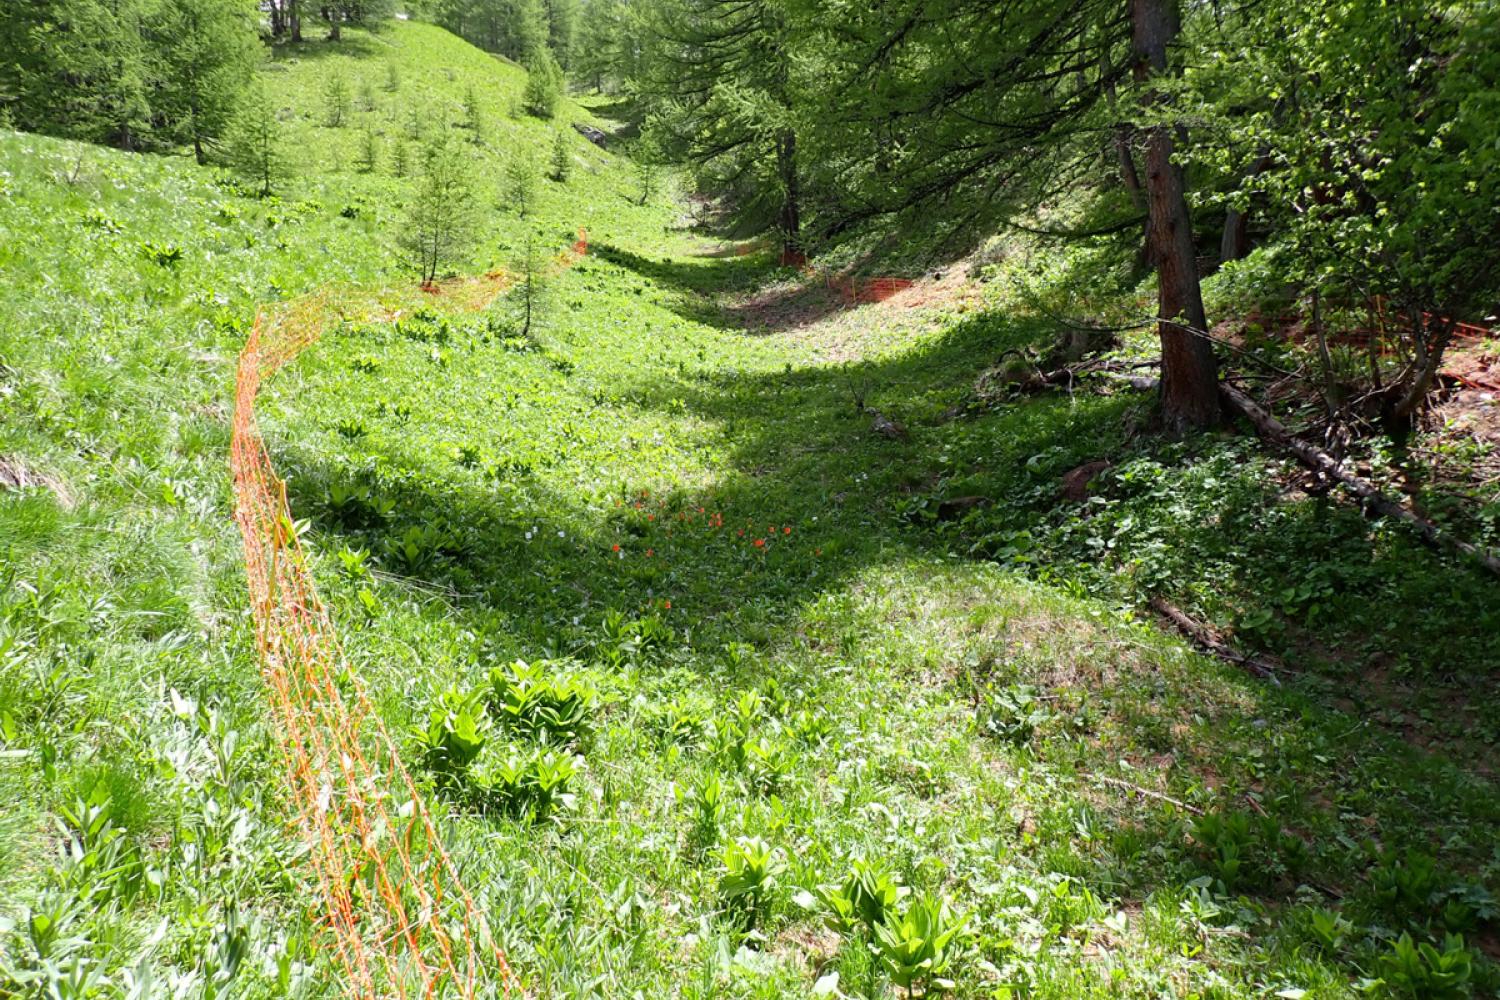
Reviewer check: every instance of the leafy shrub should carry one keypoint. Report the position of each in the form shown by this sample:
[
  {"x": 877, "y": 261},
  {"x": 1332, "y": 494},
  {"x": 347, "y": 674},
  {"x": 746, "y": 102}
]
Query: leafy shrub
[
  {"x": 679, "y": 722},
  {"x": 167, "y": 255},
  {"x": 867, "y": 898},
  {"x": 529, "y": 785},
  {"x": 751, "y": 866},
  {"x": 526, "y": 783},
  {"x": 1012, "y": 714},
  {"x": 1406, "y": 886},
  {"x": 541, "y": 701},
  {"x": 625, "y": 640},
  {"x": 357, "y": 504},
  {"x": 707, "y": 802},
  {"x": 1468, "y": 906},
  {"x": 97, "y": 219},
  {"x": 417, "y": 547},
  {"x": 1422, "y": 971},
  {"x": 425, "y": 326},
  {"x": 1246, "y": 851},
  {"x": 918, "y": 945},
  {"x": 454, "y": 735},
  {"x": 1329, "y": 929}
]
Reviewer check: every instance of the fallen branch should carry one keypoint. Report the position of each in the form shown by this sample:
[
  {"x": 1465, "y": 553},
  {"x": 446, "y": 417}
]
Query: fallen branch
[
  {"x": 1148, "y": 793},
  {"x": 1116, "y": 370},
  {"x": 1205, "y": 638},
  {"x": 1368, "y": 494}
]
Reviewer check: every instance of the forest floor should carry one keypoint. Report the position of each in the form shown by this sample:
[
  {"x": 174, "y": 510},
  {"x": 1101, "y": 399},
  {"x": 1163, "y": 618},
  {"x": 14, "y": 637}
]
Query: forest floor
[{"x": 782, "y": 653}]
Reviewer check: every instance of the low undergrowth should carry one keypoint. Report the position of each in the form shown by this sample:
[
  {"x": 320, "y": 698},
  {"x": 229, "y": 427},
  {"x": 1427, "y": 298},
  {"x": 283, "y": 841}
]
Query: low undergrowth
[{"x": 715, "y": 703}]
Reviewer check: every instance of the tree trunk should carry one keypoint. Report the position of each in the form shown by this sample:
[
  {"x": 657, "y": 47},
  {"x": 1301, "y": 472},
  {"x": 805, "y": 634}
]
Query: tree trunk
[
  {"x": 790, "y": 219},
  {"x": 1409, "y": 397},
  {"x": 294, "y": 18},
  {"x": 1189, "y": 377},
  {"x": 1235, "y": 243}
]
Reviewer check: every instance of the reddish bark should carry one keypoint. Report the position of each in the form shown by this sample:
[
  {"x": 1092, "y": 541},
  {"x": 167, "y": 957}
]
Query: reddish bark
[{"x": 1189, "y": 374}]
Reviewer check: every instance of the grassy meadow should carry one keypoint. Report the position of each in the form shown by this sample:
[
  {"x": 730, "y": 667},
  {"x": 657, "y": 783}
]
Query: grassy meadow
[{"x": 692, "y": 662}]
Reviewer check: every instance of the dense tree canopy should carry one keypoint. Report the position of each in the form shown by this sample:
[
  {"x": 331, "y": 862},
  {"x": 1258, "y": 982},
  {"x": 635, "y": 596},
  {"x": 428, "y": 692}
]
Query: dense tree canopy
[
  {"x": 134, "y": 73},
  {"x": 1350, "y": 146}
]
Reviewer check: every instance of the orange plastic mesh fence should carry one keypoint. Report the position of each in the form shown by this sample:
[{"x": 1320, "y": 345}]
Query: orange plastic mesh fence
[{"x": 391, "y": 899}]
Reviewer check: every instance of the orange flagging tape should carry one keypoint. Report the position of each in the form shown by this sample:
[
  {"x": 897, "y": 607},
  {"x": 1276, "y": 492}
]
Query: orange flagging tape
[
  {"x": 854, "y": 291},
  {"x": 390, "y": 896}
]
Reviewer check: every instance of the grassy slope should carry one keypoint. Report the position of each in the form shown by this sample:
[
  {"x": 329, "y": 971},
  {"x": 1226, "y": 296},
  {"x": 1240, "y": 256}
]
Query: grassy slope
[{"x": 890, "y": 723}]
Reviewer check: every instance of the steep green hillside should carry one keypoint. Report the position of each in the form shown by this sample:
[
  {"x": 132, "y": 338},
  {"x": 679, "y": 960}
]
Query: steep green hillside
[
  {"x": 736, "y": 686},
  {"x": 130, "y": 283},
  {"x": 434, "y": 76}
]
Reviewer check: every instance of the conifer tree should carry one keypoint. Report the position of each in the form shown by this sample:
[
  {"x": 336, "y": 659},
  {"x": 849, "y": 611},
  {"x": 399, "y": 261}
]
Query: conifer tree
[
  {"x": 208, "y": 53},
  {"x": 722, "y": 82},
  {"x": 369, "y": 147},
  {"x": 254, "y": 145},
  {"x": 473, "y": 115},
  {"x": 521, "y": 183},
  {"x": 335, "y": 99},
  {"x": 543, "y": 86},
  {"x": 440, "y": 218},
  {"x": 562, "y": 158}
]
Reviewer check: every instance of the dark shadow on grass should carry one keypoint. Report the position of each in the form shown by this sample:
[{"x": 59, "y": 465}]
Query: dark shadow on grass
[
  {"x": 1299, "y": 759},
  {"x": 683, "y": 274},
  {"x": 796, "y": 301}
]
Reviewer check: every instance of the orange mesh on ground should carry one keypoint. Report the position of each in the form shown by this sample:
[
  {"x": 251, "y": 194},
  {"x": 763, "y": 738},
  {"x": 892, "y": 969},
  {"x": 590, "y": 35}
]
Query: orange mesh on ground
[
  {"x": 1464, "y": 335},
  {"x": 855, "y": 290},
  {"x": 401, "y": 921}
]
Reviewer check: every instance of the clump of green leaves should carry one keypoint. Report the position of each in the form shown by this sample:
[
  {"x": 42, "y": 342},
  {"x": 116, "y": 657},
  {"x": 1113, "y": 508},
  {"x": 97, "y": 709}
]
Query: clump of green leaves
[
  {"x": 542, "y": 701},
  {"x": 454, "y": 735},
  {"x": 869, "y": 896},
  {"x": 527, "y": 784},
  {"x": 707, "y": 803},
  {"x": 913, "y": 938},
  {"x": 459, "y": 746},
  {"x": 1012, "y": 714},
  {"x": 919, "y": 946},
  {"x": 751, "y": 866},
  {"x": 1422, "y": 971},
  {"x": 165, "y": 255},
  {"x": 1244, "y": 850},
  {"x": 680, "y": 722}
]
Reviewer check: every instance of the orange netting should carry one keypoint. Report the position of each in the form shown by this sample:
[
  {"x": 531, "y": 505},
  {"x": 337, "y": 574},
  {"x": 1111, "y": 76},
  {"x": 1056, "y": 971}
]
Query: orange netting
[
  {"x": 854, "y": 291},
  {"x": 391, "y": 897}
]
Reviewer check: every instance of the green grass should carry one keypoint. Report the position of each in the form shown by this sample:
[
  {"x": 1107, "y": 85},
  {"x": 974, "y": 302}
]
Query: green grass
[{"x": 964, "y": 705}]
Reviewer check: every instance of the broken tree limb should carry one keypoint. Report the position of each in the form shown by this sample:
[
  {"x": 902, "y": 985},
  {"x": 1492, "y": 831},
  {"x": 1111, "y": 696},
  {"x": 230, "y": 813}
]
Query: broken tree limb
[
  {"x": 1148, "y": 793},
  {"x": 1116, "y": 370},
  {"x": 1369, "y": 495},
  {"x": 1205, "y": 638}
]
